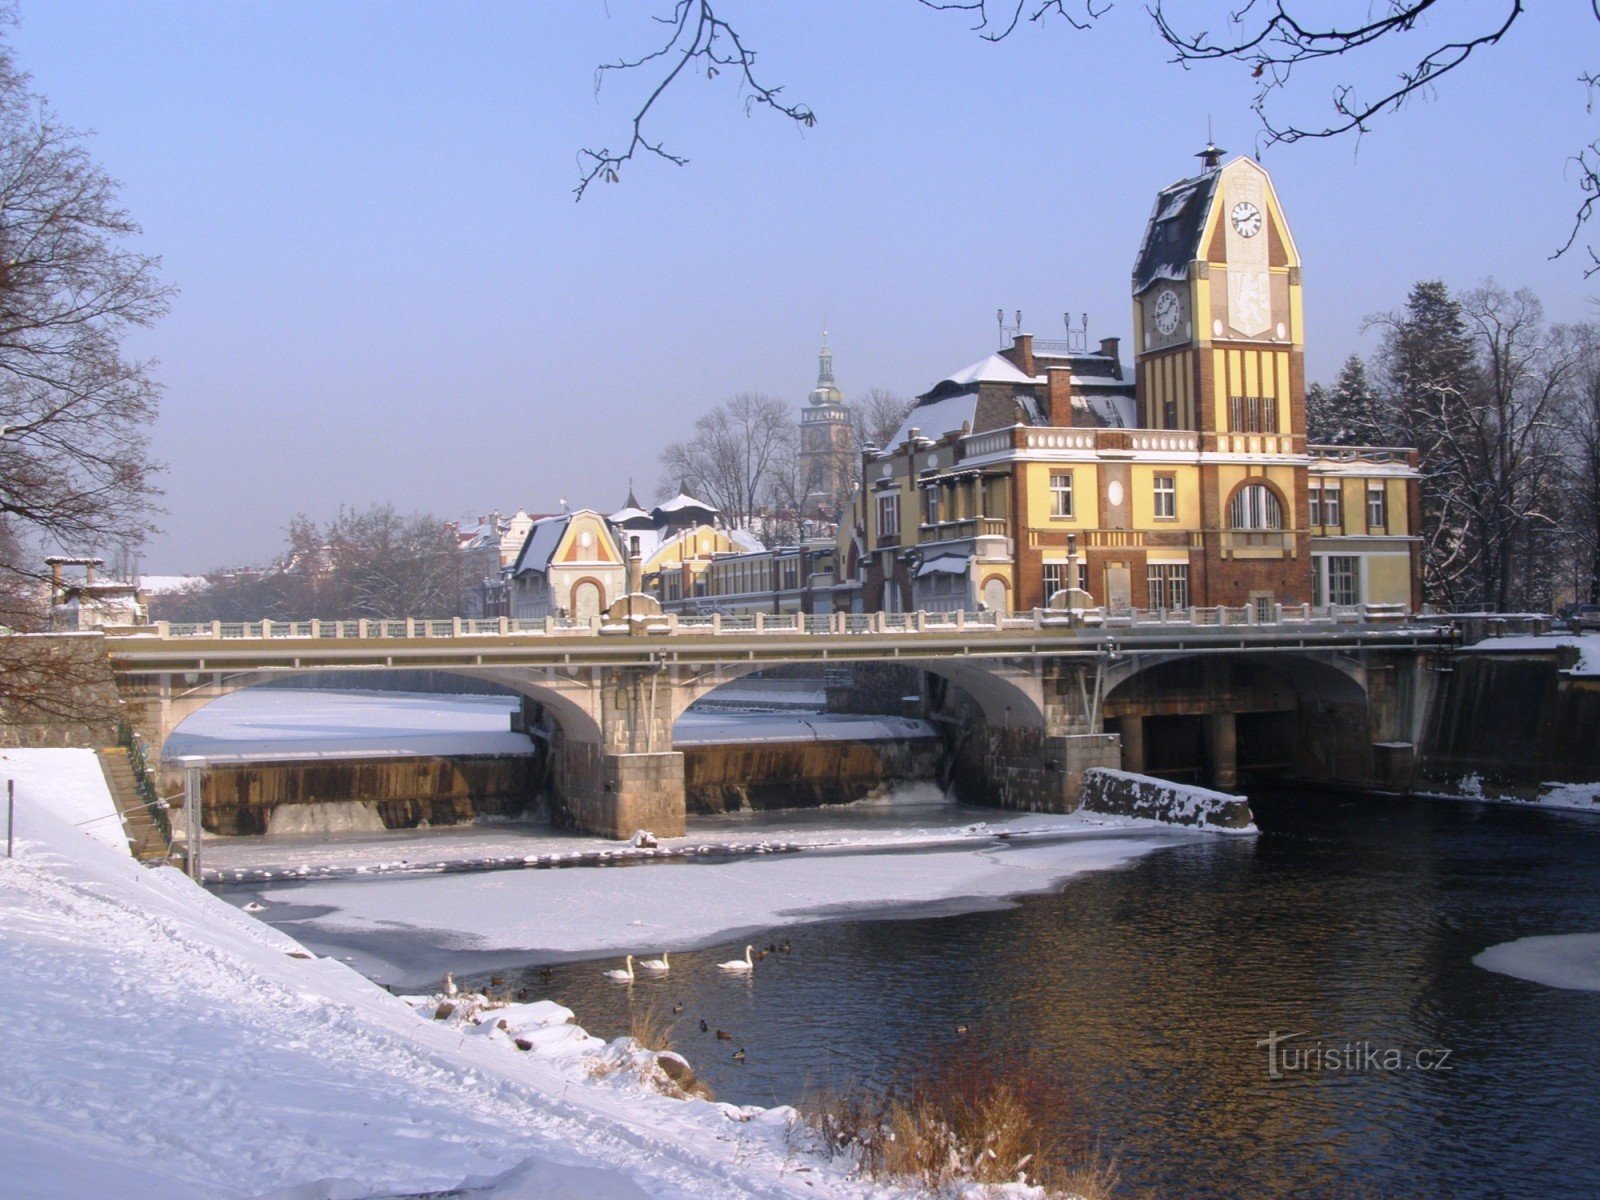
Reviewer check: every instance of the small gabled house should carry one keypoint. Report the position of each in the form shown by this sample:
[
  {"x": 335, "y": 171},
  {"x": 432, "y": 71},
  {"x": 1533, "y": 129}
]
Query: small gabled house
[{"x": 570, "y": 565}]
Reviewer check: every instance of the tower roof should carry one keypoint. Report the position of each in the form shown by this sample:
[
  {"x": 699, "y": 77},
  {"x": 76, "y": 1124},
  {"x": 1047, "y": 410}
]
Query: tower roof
[{"x": 825, "y": 392}]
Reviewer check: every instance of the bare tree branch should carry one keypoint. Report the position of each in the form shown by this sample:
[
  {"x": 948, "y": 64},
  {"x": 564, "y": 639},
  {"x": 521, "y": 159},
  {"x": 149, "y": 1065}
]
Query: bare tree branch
[{"x": 698, "y": 34}]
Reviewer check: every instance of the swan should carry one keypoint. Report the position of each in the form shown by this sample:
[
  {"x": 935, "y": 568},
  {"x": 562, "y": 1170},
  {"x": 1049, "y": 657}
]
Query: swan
[
  {"x": 450, "y": 988},
  {"x": 740, "y": 964},
  {"x": 625, "y": 975},
  {"x": 657, "y": 964}
]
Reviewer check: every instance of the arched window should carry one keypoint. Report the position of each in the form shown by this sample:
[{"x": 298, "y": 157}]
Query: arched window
[{"x": 1255, "y": 506}]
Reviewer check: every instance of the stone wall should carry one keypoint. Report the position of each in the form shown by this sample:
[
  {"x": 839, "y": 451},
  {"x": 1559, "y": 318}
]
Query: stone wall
[
  {"x": 1124, "y": 794},
  {"x": 57, "y": 691}
]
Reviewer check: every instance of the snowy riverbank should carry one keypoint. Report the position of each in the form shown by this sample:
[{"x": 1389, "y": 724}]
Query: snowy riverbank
[{"x": 166, "y": 1044}]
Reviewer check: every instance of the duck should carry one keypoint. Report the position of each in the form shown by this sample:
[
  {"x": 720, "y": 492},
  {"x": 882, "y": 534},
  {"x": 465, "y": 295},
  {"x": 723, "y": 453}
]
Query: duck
[
  {"x": 626, "y": 974},
  {"x": 677, "y": 1008},
  {"x": 740, "y": 964},
  {"x": 784, "y": 947},
  {"x": 657, "y": 964},
  {"x": 724, "y": 1036},
  {"x": 704, "y": 1028},
  {"x": 738, "y": 1055},
  {"x": 963, "y": 1028}
]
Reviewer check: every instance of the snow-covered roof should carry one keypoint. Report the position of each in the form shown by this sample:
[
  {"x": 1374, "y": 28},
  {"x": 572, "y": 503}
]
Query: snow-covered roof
[
  {"x": 945, "y": 564},
  {"x": 935, "y": 418},
  {"x": 543, "y": 538},
  {"x": 625, "y": 516},
  {"x": 683, "y": 501},
  {"x": 993, "y": 369},
  {"x": 164, "y": 585},
  {"x": 1111, "y": 411},
  {"x": 1172, "y": 236}
]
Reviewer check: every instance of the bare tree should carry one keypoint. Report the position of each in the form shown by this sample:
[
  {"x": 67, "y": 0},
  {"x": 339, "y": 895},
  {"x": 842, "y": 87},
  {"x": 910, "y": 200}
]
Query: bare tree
[
  {"x": 1275, "y": 41},
  {"x": 732, "y": 456},
  {"x": 373, "y": 562},
  {"x": 1482, "y": 387},
  {"x": 1582, "y": 441},
  {"x": 74, "y": 470}
]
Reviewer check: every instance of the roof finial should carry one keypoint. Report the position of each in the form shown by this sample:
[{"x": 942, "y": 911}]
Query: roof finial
[{"x": 1211, "y": 157}]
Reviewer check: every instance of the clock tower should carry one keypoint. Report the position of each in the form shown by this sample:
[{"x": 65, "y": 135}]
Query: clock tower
[
  {"x": 1219, "y": 353},
  {"x": 1217, "y": 309}
]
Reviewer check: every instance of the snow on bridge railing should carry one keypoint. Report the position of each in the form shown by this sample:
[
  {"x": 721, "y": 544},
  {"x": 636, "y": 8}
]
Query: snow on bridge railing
[{"x": 911, "y": 623}]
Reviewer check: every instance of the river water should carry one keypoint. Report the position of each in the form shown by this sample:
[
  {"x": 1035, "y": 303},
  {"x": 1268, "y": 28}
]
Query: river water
[{"x": 1350, "y": 922}]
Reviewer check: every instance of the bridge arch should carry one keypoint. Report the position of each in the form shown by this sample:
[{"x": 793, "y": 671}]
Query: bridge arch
[
  {"x": 159, "y": 705},
  {"x": 1210, "y": 716}
]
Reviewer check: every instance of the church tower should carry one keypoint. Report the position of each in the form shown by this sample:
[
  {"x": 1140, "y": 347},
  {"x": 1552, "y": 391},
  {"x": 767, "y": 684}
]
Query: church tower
[
  {"x": 1220, "y": 348},
  {"x": 825, "y": 445}
]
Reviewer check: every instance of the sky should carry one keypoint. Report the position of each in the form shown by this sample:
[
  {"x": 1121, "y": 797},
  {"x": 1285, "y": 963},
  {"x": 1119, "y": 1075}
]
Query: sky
[{"x": 388, "y": 294}]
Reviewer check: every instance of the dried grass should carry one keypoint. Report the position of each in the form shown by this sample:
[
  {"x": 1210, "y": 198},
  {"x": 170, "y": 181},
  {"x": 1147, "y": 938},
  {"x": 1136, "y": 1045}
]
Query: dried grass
[
  {"x": 651, "y": 1028},
  {"x": 966, "y": 1115}
]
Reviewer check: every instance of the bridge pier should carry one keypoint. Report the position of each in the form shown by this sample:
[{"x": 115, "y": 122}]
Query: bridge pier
[{"x": 1222, "y": 750}]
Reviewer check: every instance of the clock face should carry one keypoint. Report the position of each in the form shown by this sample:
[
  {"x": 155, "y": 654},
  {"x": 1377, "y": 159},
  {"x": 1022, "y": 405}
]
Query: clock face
[
  {"x": 1167, "y": 313},
  {"x": 1246, "y": 218}
]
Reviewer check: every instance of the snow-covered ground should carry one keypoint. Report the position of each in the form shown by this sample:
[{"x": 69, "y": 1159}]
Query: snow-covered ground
[
  {"x": 1566, "y": 960},
  {"x": 1572, "y": 797},
  {"x": 409, "y": 931},
  {"x": 164, "y": 1043}
]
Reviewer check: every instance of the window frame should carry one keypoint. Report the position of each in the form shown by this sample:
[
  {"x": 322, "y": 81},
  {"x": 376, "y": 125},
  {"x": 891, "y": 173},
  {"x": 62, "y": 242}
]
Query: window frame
[
  {"x": 1169, "y": 494},
  {"x": 1377, "y": 505},
  {"x": 1062, "y": 497}
]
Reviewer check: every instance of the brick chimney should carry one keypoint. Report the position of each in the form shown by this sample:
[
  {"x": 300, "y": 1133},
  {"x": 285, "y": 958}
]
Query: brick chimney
[{"x": 1108, "y": 348}]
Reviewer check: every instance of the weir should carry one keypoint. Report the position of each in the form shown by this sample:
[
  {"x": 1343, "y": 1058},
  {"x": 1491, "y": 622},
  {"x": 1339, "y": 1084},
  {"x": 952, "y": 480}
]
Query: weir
[{"x": 1030, "y": 702}]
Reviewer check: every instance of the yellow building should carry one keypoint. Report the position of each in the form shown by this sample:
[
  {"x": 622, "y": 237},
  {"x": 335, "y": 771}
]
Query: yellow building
[{"x": 1043, "y": 473}]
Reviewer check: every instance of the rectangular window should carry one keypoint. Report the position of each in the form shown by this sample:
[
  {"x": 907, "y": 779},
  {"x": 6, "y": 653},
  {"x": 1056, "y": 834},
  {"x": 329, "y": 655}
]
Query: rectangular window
[
  {"x": 1377, "y": 507},
  {"x": 1168, "y": 584},
  {"x": 889, "y": 515},
  {"x": 1314, "y": 504},
  {"x": 1055, "y": 579},
  {"x": 1061, "y": 493},
  {"x": 1252, "y": 414},
  {"x": 930, "y": 505},
  {"x": 1344, "y": 579},
  {"x": 1333, "y": 506},
  {"x": 1166, "y": 497}
]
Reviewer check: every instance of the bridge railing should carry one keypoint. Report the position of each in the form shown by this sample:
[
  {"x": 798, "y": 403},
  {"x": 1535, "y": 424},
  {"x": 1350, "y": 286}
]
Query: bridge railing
[{"x": 911, "y": 623}]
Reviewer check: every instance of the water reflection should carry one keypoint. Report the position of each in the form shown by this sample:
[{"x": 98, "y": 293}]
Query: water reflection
[{"x": 1349, "y": 922}]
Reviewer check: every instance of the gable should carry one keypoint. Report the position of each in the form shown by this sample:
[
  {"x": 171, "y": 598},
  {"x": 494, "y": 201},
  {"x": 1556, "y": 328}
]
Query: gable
[{"x": 587, "y": 540}]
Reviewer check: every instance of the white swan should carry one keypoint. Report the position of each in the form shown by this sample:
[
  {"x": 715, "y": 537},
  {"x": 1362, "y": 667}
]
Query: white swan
[
  {"x": 740, "y": 964},
  {"x": 450, "y": 988},
  {"x": 625, "y": 975},
  {"x": 656, "y": 964}
]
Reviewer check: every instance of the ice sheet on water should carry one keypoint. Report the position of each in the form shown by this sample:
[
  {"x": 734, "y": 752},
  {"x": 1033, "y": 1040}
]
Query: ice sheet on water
[{"x": 1563, "y": 960}]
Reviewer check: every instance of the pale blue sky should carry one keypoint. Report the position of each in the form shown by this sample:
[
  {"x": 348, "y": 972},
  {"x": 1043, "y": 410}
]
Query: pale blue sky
[{"x": 388, "y": 293}]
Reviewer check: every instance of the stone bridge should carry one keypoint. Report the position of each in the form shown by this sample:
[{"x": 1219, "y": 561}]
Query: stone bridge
[{"x": 1042, "y": 696}]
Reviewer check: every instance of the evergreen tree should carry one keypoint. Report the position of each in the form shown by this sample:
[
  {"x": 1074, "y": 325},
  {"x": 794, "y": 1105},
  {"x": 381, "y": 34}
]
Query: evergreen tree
[
  {"x": 1430, "y": 376},
  {"x": 1351, "y": 414}
]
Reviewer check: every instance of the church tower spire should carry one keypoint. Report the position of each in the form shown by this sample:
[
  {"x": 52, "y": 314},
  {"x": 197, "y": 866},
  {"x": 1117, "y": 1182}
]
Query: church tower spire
[
  {"x": 826, "y": 392},
  {"x": 825, "y": 444}
]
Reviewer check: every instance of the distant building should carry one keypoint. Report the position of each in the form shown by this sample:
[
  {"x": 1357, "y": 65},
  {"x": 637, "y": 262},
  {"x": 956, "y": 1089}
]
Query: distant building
[
  {"x": 826, "y": 447},
  {"x": 488, "y": 546},
  {"x": 90, "y": 603}
]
